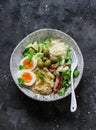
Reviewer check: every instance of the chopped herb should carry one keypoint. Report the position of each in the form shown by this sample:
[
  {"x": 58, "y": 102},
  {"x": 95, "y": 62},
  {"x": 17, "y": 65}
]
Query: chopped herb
[
  {"x": 21, "y": 67},
  {"x": 76, "y": 73},
  {"x": 59, "y": 60},
  {"x": 20, "y": 81},
  {"x": 42, "y": 76},
  {"x": 47, "y": 42}
]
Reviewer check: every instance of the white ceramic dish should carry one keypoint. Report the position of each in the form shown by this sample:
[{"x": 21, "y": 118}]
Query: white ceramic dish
[{"x": 39, "y": 35}]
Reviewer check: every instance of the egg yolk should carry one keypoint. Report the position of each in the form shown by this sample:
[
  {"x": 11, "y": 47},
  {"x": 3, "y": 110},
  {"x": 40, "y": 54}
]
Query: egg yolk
[
  {"x": 27, "y": 77},
  {"x": 28, "y": 64}
]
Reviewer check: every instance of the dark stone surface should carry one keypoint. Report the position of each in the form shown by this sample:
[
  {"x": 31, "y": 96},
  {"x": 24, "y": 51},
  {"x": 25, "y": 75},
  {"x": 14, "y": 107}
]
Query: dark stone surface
[{"x": 21, "y": 17}]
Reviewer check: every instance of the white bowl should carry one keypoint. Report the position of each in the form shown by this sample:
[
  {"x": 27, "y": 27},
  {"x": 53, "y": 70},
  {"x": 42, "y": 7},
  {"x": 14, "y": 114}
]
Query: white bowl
[{"x": 40, "y": 35}]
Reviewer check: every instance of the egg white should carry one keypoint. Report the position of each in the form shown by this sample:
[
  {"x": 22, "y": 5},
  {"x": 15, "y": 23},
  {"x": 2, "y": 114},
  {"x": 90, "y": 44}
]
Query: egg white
[
  {"x": 21, "y": 72},
  {"x": 33, "y": 59}
]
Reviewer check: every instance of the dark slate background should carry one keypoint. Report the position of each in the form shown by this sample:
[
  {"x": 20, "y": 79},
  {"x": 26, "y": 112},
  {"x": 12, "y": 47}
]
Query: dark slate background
[{"x": 21, "y": 17}]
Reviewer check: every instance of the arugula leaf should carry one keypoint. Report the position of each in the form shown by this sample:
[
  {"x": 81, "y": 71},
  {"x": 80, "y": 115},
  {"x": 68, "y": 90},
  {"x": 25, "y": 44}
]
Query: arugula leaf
[
  {"x": 21, "y": 67},
  {"x": 47, "y": 42},
  {"x": 20, "y": 81},
  {"x": 42, "y": 76},
  {"x": 62, "y": 91},
  {"x": 59, "y": 60},
  {"x": 76, "y": 73}
]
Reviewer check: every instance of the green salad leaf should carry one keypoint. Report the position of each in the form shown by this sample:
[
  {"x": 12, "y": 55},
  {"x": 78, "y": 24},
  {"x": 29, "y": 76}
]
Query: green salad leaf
[
  {"x": 62, "y": 91},
  {"x": 68, "y": 59},
  {"x": 20, "y": 81},
  {"x": 21, "y": 67},
  {"x": 59, "y": 60},
  {"x": 47, "y": 42},
  {"x": 25, "y": 52},
  {"x": 29, "y": 51},
  {"x": 76, "y": 73}
]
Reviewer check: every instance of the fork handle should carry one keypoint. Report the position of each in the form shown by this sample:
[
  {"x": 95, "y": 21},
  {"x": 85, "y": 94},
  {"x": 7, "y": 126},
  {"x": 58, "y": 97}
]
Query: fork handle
[{"x": 73, "y": 97}]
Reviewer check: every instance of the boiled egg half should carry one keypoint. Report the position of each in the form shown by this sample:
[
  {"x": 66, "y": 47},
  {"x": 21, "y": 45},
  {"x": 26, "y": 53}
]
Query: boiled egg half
[
  {"x": 29, "y": 64},
  {"x": 27, "y": 77}
]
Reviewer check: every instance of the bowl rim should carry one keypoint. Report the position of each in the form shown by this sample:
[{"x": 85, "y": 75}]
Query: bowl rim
[{"x": 50, "y": 29}]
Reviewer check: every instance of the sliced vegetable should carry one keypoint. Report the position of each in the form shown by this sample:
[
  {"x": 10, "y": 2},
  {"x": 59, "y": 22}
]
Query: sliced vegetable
[
  {"x": 29, "y": 46},
  {"x": 35, "y": 46},
  {"x": 39, "y": 56},
  {"x": 41, "y": 47},
  {"x": 20, "y": 81}
]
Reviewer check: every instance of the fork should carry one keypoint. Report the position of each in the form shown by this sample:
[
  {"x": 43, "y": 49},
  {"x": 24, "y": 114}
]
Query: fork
[{"x": 74, "y": 64}]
